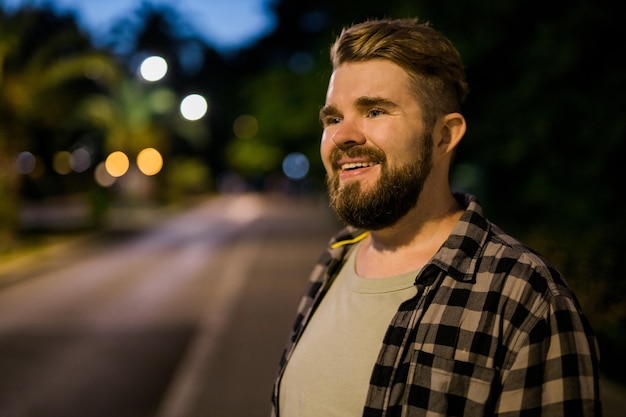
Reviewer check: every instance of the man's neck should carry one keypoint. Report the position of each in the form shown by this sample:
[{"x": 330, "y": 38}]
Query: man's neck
[{"x": 410, "y": 243}]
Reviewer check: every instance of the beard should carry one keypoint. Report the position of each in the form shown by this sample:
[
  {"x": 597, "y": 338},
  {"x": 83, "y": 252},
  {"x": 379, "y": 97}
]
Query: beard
[{"x": 394, "y": 194}]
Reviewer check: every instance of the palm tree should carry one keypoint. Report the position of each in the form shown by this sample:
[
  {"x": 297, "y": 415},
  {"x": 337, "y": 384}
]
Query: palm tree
[{"x": 47, "y": 67}]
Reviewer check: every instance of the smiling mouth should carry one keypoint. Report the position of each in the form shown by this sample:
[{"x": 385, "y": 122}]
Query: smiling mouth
[{"x": 356, "y": 165}]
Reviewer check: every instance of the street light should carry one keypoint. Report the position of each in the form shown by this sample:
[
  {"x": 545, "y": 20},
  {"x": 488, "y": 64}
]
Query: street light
[
  {"x": 193, "y": 107},
  {"x": 117, "y": 164},
  {"x": 153, "y": 68},
  {"x": 149, "y": 161}
]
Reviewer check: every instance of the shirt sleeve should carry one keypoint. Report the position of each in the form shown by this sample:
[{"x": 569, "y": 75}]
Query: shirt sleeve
[{"x": 556, "y": 370}]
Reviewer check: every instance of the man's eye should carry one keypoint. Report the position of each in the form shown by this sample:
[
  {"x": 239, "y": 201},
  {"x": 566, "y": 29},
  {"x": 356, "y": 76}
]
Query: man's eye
[
  {"x": 331, "y": 121},
  {"x": 374, "y": 112}
]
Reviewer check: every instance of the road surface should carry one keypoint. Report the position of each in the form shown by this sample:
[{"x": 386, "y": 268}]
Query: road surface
[{"x": 185, "y": 319}]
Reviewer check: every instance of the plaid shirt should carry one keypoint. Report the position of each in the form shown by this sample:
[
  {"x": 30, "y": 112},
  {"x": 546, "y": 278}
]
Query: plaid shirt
[{"x": 493, "y": 331}]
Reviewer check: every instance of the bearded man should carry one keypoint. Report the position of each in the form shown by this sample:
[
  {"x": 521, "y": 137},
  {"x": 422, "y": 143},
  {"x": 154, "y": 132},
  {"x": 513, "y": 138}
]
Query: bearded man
[{"x": 422, "y": 306}]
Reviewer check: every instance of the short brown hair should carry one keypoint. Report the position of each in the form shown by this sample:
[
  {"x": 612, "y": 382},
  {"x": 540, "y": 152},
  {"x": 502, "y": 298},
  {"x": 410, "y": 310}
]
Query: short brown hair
[{"x": 430, "y": 59}]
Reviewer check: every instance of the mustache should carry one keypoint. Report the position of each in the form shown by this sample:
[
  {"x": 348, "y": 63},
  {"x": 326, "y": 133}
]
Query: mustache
[{"x": 368, "y": 152}]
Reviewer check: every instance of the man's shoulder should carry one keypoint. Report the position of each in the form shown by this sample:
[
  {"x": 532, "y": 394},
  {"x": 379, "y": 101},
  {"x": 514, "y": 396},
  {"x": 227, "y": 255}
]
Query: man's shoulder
[
  {"x": 508, "y": 258},
  {"x": 496, "y": 250}
]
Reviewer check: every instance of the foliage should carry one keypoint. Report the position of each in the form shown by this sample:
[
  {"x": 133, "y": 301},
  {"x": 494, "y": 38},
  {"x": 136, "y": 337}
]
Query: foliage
[
  {"x": 47, "y": 66},
  {"x": 546, "y": 135},
  {"x": 187, "y": 177},
  {"x": 193, "y": 67},
  {"x": 127, "y": 115}
]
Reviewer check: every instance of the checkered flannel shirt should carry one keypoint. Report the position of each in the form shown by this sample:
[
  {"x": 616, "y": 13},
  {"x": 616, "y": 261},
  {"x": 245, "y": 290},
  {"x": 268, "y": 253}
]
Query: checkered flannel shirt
[{"x": 493, "y": 331}]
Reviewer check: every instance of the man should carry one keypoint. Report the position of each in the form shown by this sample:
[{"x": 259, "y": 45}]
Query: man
[{"x": 422, "y": 307}]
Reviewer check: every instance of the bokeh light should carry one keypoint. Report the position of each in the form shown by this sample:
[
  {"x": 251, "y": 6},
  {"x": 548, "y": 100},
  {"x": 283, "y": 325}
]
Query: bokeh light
[
  {"x": 61, "y": 162},
  {"x": 245, "y": 126},
  {"x": 149, "y": 161},
  {"x": 296, "y": 166},
  {"x": 80, "y": 160},
  {"x": 193, "y": 107},
  {"x": 153, "y": 68},
  {"x": 25, "y": 163},
  {"x": 117, "y": 164},
  {"x": 102, "y": 177}
]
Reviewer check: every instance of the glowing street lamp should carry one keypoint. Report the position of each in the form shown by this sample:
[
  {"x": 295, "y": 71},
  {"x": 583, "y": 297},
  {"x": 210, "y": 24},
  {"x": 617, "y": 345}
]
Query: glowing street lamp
[
  {"x": 149, "y": 161},
  {"x": 193, "y": 107},
  {"x": 117, "y": 164},
  {"x": 153, "y": 68}
]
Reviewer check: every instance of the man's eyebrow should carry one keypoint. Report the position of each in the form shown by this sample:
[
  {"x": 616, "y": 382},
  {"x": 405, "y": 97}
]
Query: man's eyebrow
[
  {"x": 374, "y": 102},
  {"x": 328, "y": 110}
]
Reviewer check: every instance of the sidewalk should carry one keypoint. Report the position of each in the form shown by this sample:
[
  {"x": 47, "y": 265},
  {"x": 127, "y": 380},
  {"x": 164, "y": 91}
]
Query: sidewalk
[
  {"x": 44, "y": 251},
  {"x": 55, "y": 230}
]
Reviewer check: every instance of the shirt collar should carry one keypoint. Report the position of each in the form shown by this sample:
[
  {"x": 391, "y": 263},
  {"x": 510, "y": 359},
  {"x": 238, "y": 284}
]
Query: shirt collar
[{"x": 459, "y": 254}]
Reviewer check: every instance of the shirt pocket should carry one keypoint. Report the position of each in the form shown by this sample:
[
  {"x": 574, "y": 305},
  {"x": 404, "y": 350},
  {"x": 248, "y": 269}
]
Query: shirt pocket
[{"x": 448, "y": 387}]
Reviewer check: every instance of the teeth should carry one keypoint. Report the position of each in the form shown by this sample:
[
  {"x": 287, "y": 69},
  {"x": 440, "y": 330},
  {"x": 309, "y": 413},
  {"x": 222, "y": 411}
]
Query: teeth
[{"x": 354, "y": 165}]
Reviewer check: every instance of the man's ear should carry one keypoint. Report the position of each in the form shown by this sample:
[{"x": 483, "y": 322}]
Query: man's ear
[{"x": 448, "y": 132}]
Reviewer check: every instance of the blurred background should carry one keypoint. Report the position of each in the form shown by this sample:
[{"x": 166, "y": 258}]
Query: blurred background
[{"x": 113, "y": 108}]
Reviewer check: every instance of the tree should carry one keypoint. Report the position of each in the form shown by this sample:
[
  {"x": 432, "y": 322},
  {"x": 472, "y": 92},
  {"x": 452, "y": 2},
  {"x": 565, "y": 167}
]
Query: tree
[
  {"x": 193, "y": 67},
  {"x": 47, "y": 66}
]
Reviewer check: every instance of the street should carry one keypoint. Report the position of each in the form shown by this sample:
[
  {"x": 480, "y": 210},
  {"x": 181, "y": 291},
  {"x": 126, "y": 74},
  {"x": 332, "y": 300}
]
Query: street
[{"x": 186, "y": 319}]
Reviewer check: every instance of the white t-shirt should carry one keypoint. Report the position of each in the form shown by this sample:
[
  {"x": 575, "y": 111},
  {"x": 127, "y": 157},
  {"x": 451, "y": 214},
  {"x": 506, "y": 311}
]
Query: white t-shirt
[{"x": 329, "y": 371}]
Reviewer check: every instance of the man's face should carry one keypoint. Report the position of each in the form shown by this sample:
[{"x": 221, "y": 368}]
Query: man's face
[{"x": 374, "y": 148}]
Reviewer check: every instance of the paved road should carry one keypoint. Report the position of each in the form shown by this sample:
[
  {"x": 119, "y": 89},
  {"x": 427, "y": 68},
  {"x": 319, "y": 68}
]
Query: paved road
[
  {"x": 187, "y": 319},
  {"x": 184, "y": 320}
]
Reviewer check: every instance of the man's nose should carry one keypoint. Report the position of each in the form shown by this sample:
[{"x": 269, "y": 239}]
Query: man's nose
[{"x": 348, "y": 134}]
